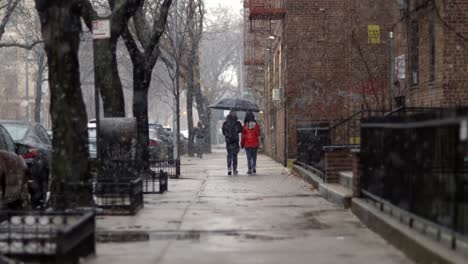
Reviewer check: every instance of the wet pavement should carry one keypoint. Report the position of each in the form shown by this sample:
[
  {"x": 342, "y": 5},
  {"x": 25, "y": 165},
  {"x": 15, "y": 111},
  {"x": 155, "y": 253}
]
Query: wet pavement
[{"x": 271, "y": 217}]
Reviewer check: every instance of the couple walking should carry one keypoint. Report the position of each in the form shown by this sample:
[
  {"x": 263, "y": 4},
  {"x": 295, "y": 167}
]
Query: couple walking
[{"x": 250, "y": 133}]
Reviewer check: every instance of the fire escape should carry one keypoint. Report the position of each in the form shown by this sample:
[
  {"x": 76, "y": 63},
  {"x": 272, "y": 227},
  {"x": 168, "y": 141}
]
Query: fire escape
[{"x": 258, "y": 17}]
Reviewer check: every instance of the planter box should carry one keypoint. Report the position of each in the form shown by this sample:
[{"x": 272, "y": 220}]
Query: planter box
[{"x": 47, "y": 236}]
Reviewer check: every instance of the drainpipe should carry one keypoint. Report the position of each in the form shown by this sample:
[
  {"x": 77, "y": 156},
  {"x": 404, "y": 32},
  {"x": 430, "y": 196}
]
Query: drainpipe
[{"x": 392, "y": 70}]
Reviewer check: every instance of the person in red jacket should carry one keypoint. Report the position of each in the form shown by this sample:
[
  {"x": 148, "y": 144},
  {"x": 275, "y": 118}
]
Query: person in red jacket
[{"x": 250, "y": 141}]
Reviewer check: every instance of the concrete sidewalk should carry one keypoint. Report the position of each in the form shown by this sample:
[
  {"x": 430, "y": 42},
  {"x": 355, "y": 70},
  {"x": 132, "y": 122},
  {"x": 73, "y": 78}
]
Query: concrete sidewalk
[{"x": 272, "y": 217}]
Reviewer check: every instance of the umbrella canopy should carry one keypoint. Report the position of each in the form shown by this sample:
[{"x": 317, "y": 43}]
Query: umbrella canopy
[{"x": 235, "y": 104}]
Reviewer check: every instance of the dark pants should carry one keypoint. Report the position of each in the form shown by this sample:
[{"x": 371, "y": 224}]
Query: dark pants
[
  {"x": 251, "y": 158},
  {"x": 232, "y": 151}
]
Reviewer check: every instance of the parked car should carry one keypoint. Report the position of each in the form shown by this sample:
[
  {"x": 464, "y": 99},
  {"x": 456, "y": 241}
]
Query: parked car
[
  {"x": 49, "y": 132},
  {"x": 158, "y": 149},
  {"x": 92, "y": 140},
  {"x": 183, "y": 144},
  {"x": 14, "y": 175},
  {"x": 33, "y": 144},
  {"x": 164, "y": 135}
]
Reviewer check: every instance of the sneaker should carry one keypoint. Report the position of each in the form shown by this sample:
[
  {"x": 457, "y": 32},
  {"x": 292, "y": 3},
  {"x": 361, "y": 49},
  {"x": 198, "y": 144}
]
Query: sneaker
[
  {"x": 229, "y": 173},
  {"x": 254, "y": 171},
  {"x": 249, "y": 172},
  {"x": 236, "y": 172}
]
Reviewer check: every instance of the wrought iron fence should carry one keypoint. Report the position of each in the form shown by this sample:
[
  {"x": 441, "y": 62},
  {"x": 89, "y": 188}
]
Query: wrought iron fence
[
  {"x": 347, "y": 131},
  {"x": 156, "y": 182},
  {"x": 310, "y": 142},
  {"x": 419, "y": 164},
  {"x": 47, "y": 237},
  {"x": 109, "y": 196},
  {"x": 123, "y": 196}
]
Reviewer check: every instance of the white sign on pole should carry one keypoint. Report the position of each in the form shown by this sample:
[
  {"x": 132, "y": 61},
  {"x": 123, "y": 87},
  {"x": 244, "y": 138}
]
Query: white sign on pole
[{"x": 101, "y": 29}]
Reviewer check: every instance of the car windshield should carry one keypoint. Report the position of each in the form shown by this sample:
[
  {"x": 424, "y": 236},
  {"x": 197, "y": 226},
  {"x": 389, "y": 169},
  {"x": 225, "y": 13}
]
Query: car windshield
[
  {"x": 17, "y": 131},
  {"x": 92, "y": 132},
  {"x": 153, "y": 134}
]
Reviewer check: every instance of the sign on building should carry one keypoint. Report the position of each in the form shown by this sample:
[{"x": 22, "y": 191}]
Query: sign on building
[
  {"x": 373, "y": 34},
  {"x": 101, "y": 29},
  {"x": 400, "y": 66}
]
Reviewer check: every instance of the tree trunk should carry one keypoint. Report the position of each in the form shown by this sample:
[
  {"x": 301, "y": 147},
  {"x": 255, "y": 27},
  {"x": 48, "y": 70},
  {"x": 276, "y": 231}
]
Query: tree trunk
[
  {"x": 203, "y": 111},
  {"x": 41, "y": 66},
  {"x": 61, "y": 28},
  {"x": 140, "y": 112},
  {"x": 191, "y": 145},
  {"x": 107, "y": 77}
]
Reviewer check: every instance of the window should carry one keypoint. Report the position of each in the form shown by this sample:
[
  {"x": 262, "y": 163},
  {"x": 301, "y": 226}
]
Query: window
[
  {"x": 17, "y": 131},
  {"x": 431, "y": 50},
  {"x": 3, "y": 145},
  {"x": 414, "y": 52},
  {"x": 43, "y": 136},
  {"x": 6, "y": 143}
]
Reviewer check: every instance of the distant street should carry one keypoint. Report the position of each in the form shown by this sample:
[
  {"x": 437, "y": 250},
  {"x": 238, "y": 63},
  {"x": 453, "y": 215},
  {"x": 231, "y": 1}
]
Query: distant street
[{"x": 272, "y": 217}]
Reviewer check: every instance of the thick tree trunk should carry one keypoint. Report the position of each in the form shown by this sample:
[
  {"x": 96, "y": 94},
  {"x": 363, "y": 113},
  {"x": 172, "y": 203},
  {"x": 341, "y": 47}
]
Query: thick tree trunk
[
  {"x": 140, "y": 112},
  {"x": 107, "y": 77},
  {"x": 61, "y": 28}
]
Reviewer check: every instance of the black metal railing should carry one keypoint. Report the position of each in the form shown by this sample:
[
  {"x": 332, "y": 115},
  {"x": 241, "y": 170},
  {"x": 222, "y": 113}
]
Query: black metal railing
[
  {"x": 116, "y": 197},
  {"x": 310, "y": 142},
  {"x": 47, "y": 237},
  {"x": 156, "y": 182},
  {"x": 347, "y": 131},
  {"x": 108, "y": 196},
  {"x": 419, "y": 164}
]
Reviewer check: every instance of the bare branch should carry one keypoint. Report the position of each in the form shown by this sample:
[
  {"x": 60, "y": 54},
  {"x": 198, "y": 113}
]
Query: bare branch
[{"x": 27, "y": 46}]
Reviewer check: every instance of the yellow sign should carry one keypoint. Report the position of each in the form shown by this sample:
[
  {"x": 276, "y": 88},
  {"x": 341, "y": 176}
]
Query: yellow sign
[
  {"x": 373, "y": 33},
  {"x": 355, "y": 140}
]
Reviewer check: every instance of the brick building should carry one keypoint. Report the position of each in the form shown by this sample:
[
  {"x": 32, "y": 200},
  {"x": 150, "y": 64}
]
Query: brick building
[
  {"x": 432, "y": 47},
  {"x": 323, "y": 60}
]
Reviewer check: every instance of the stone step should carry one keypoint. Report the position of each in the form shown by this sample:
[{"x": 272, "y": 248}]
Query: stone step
[
  {"x": 346, "y": 179},
  {"x": 336, "y": 193}
]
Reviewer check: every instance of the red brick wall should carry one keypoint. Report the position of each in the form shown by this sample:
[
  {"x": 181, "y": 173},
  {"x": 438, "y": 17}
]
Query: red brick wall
[
  {"x": 329, "y": 62},
  {"x": 315, "y": 50},
  {"x": 336, "y": 161},
  {"x": 450, "y": 85}
]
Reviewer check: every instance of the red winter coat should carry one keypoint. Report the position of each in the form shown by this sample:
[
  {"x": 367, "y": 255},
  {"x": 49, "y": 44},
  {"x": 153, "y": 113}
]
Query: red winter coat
[{"x": 250, "y": 134}]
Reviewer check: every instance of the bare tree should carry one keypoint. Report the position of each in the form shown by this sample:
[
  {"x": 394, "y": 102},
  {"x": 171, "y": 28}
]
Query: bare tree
[
  {"x": 195, "y": 24},
  {"x": 61, "y": 29},
  {"x": 107, "y": 78},
  {"x": 143, "y": 47},
  {"x": 26, "y": 34},
  {"x": 6, "y": 10},
  {"x": 221, "y": 49}
]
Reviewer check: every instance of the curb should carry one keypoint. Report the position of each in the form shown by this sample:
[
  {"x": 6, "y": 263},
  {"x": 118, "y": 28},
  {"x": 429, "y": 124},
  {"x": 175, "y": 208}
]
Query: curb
[
  {"x": 121, "y": 236},
  {"x": 417, "y": 247},
  {"x": 333, "y": 193}
]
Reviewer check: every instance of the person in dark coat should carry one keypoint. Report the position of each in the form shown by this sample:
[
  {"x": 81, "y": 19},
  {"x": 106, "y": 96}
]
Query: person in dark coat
[
  {"x": 231, "y": 129},
  {"x": 199, "y": 133},
  {"x": 250, "y": 141}
]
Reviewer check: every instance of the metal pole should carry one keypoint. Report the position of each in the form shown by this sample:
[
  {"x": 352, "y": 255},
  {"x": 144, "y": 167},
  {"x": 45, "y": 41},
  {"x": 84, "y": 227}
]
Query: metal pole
[
  {"x": 27, "y": 88},
  {"x": 98, "y": 120},
  {"x": 392, "y": 70}
]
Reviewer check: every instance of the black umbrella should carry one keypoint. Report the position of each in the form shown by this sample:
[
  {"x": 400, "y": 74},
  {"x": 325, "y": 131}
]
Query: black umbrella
[{"x": 235, "y": 104}]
